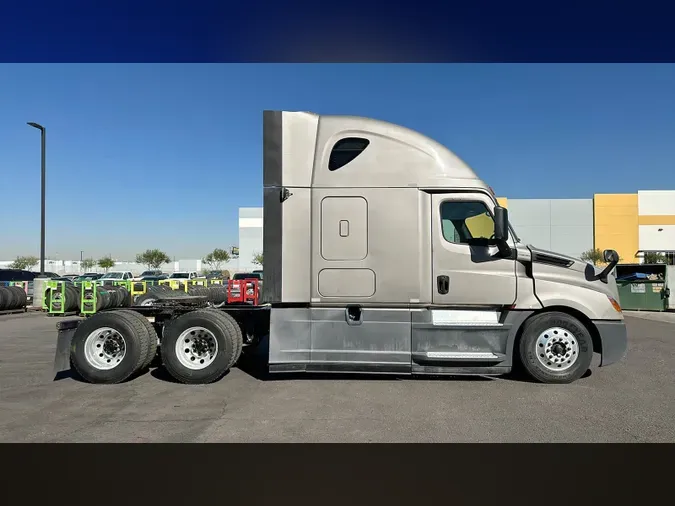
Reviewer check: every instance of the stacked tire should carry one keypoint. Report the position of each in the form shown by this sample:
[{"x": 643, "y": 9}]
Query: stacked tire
[
  {"x": 217, "y": 294},
  {"x": 12, "y": 298},
  {"x": 68, "y": 298},
  {"x": 108, "y": 297},
  {"x": 153, "y": 295}
]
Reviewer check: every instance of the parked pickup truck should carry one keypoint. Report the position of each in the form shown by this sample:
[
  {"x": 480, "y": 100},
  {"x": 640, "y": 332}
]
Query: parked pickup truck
[
  {"x": 184, "y": 275},
  {"x": 115, "y": 276}
]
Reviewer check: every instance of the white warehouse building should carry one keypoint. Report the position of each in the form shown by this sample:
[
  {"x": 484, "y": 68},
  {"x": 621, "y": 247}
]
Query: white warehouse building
[{"x": 250, "y": 236}]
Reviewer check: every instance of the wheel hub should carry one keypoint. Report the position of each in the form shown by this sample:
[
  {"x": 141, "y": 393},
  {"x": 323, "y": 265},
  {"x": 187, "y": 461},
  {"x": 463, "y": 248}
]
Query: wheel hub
[
  {"x": 104, "y": 348},
  {"x": 557, "y": 349},
  {"x": 196, "y": 348}
]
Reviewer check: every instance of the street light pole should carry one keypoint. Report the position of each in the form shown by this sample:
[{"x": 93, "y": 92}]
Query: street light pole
[{"x": 43, "y": 135}]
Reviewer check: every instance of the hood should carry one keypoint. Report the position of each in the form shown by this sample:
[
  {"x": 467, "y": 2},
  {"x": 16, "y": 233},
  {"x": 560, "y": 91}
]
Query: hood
[{"x": 571, "y": 270}]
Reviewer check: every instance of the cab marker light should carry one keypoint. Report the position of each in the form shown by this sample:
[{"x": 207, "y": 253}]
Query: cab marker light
[{"x": 615, "y": 304}]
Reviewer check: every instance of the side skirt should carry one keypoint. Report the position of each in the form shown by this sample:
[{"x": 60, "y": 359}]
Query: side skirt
[{"x": 421, "y": 370}]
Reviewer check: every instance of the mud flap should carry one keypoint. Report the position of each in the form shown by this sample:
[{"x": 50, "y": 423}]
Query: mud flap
[{"x": 66, "y": 330}]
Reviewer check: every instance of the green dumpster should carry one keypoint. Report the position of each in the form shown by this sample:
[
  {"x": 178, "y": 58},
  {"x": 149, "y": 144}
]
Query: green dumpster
[{"x": 642, "y": 287}]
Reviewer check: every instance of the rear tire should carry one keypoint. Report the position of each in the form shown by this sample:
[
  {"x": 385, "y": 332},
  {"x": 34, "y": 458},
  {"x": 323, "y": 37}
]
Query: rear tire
[
  {"x": 152, "y": 336},
  {"x": 116, "y": 336},
  {"x": 555, "y": 347},
  {"x": 201, "y": 346}
]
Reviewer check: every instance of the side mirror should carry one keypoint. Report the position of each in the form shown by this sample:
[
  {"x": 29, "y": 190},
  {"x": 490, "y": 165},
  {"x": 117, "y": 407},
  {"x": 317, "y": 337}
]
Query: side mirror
[
  {"x": 610, "y": 256},
  {"x": 501, "y": 224}
]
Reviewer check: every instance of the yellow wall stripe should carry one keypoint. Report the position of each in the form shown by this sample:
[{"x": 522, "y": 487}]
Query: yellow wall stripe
[
  {"x": 616, "y": 224},
  {"x": 667, "y": 219}
]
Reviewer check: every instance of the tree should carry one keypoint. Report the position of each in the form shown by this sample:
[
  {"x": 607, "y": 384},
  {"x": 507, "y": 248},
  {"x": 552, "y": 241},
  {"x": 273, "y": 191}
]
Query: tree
[
  {"x": 654, "y": 258},
  {"x": 106, "y": 263},
  {"x": 24, "y": 262},
  {"x": 593, "y": 256},
  {"x": 216, "y": 258},
  {"x": 257, "y": 258},
  {"x": 87, "y": 264},
  {"x": 153, "y": 258}
]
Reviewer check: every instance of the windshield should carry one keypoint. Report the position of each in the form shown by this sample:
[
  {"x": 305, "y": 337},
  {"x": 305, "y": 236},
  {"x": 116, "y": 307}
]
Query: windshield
[
  {"x": 149, "y": 273},
  {"x": 114, "y": 275},
  {"x": 179, "y": 275}
]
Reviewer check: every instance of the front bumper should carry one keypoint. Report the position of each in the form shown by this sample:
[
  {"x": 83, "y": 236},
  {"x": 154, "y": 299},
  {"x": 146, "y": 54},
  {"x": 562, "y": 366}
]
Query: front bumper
[{"x": 614, "y": 341}]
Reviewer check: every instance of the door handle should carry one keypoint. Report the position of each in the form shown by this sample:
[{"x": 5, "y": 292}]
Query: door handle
[{"x": 443, "y": 283}]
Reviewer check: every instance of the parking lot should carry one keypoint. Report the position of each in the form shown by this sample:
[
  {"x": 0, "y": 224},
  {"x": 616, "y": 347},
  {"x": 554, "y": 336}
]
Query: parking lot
[{"x": 633, "y": 401}]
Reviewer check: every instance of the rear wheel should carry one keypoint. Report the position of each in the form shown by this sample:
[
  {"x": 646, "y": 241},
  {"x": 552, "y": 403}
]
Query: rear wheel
[
  {"x": 200, "y": 346},
  {"x": 152, "y": 336},
  {"x": 109, "y": 347},
  {"x": 555, "y": 348}
]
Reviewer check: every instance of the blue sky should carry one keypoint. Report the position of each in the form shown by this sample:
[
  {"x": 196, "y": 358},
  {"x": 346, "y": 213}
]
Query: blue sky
[{"x": 142, "y": 156}]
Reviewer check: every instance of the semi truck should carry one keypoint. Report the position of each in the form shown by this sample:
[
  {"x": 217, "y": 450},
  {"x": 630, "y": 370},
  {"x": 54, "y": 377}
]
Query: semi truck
[{"x": 384, "y": 253}]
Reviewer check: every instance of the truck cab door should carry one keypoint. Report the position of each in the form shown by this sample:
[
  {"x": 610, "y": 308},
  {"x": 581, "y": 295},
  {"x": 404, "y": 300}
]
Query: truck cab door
[{"x": 467, "y": 270}]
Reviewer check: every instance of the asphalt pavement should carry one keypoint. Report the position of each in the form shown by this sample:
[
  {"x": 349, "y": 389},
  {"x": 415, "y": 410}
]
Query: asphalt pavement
[{"x": 633, "y": 401}]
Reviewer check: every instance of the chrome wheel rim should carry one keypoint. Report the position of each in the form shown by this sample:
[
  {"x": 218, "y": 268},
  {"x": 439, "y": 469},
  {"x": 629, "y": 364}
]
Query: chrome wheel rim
[
  {"x": 105, "y": 348},
  {"x": 196, "y": 348},
  {"x": 557, "y": 349}
]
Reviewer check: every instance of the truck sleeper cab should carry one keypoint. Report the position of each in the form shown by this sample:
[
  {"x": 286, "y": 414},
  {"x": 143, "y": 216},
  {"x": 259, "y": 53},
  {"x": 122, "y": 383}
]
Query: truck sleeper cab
[{"x": 385, "y": 253}]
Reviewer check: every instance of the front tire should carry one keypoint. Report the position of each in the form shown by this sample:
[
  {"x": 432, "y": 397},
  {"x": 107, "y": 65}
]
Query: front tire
[
  {"x": 199, "y": 347},
  {"x": 555, "y": 347}
]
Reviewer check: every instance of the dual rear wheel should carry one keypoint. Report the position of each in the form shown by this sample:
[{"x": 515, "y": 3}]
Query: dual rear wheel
[{"x": 197, "y": 347}]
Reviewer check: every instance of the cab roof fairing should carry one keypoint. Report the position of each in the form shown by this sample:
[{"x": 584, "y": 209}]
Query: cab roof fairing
[{"x": 396, "y": 156}]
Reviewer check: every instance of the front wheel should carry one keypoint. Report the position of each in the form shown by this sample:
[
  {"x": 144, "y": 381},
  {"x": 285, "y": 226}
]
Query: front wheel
[{"x": 555, "y": 348}]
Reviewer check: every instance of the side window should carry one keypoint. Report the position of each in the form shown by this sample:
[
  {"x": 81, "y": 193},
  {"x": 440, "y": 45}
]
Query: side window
[
  {"x": 464, "y": 221},
  {"x": 345, "y": 150}
]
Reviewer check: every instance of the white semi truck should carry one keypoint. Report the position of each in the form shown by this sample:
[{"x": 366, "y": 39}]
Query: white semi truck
[{"x": 384, "y": 253}]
